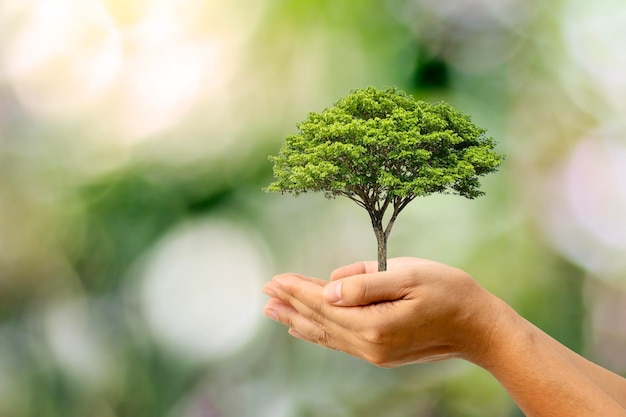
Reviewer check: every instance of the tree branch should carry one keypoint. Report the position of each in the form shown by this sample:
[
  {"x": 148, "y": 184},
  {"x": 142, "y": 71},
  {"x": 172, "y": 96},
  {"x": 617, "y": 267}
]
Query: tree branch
[
  {"x": 354, "y": 197},
  {"x": 385, "y": 205},
  {"x": 398, "y": 206},
  {"x": 405, "y": 202}
]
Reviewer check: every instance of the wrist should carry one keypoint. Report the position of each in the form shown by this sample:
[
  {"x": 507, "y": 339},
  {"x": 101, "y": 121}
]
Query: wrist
[
  {"x": 540, "y": 376},
  {"x": 496, "y": 328}
]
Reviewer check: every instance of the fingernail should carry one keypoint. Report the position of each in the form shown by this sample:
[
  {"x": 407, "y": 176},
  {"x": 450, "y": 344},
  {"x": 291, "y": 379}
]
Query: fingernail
[
  {"x": 295, "y": 333},
  {"x": 332, "y": 292},
  {"x": 271, "y": 314},
  {"x": 269, "y": 290},
  {"x": 282, "y": 279}
]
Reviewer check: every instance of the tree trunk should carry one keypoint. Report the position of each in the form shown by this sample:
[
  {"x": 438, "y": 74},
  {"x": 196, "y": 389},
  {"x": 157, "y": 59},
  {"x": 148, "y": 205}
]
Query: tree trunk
[
  {"x": 381, "y": 238},
  {"x": 382, "y": 234}
]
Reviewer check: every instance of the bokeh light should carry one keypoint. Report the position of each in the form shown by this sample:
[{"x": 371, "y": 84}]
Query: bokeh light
[
  {"x": 64, "y": 57},
  {"x": 586, "y": 200},
  {"x": 135, "y": 238},
  {"x": 75, "y": 339},
  {"x": 594, "y": 36},
  {"x": 201, "y": 288}
]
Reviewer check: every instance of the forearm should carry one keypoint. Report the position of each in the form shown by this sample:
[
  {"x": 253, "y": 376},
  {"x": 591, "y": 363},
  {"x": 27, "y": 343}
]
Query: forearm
[
  {"x": 613, "y": 384},
  {"x": 546, "y": 379}
]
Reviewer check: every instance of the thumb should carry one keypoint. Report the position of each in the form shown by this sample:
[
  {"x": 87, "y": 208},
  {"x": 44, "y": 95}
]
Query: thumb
[
  {"x": 364, "y": 289},
  {"x": 354, "y": 269}
]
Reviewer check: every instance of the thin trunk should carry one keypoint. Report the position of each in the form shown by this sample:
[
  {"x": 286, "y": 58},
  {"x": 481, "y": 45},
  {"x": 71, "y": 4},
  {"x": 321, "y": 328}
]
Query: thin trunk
[
  {"x": 382, "y": 234},
  {"x": 382, "y": 250},
  {"x": 381, "y": 238}
]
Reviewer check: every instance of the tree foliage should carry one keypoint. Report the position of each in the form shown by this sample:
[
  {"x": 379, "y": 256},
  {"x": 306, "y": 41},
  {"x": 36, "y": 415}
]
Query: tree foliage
[{"x": 382, "y": 149}]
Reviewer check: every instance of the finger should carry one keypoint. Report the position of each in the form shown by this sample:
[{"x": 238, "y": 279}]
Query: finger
[
  {"x": 365, "y": 289},
  {"x": 270, "y": 288},
  {"x": 368, "y": 267},
  {"x": 285, "y": 314},
  {"x": 316, "y": 321},
  {"x": 313, "y": 280},
  {"x": 304, "y": 295},
  {"x": 276, "y": 308},
  {"x": 312, "y": 336},
  {"x": 312, "y": 333},
  {"x": 356, "y": 268},
  {"x": 299, "y": 326},
  {"x": 307, "y": 298}
]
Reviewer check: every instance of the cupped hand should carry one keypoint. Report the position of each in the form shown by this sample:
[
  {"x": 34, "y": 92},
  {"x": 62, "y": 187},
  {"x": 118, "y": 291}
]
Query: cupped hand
[{"x": 416, "y": 311}]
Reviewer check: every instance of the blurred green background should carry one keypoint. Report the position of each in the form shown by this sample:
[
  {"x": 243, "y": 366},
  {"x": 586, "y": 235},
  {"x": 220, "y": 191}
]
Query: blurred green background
[{"x": 135, "y": 238}]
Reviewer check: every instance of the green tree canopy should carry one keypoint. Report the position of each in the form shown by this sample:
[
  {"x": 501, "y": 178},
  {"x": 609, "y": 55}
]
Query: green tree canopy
[{"x": 382, "y": 149}]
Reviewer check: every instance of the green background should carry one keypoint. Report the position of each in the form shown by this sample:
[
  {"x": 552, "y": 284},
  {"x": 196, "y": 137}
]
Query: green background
[{"x": 135, "y": 238}]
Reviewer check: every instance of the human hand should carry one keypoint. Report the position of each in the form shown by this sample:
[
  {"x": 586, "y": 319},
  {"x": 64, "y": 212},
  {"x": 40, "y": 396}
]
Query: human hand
[{"x": 416, "y": 311}]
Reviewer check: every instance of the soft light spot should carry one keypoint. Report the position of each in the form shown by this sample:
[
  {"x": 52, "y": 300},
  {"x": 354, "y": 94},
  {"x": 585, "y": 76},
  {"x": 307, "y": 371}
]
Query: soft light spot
[
  {"x": 585, "y": 202},
  {"x": 201, "y": 288},
  {"x": 161, "y": 86},
  {"x": 64, "y": 57},
  {"x": 75, "y": 342},
  {"x": 594, "y": 35}
]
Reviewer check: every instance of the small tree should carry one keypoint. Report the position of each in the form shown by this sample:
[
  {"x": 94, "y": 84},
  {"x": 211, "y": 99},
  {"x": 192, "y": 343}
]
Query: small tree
[{"x": 382, "y": 149}]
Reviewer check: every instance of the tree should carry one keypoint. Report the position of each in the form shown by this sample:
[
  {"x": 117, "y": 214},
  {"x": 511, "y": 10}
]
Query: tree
[{"x": 382, "y": 149}]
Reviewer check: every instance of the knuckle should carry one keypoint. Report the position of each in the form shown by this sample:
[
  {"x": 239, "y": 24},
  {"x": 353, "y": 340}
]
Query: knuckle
[
  {"x": 363, "y": 291},
  {"x": 377, "y": 346},
  {"x": 324, "y": 338},
  {"x": 288, "y": 321},
  {"x": 316, "y": 313},
  {"x": 378, "y": 358},
  {"x": 374, "y": 335},
  {"x": 367, "y": 291}
]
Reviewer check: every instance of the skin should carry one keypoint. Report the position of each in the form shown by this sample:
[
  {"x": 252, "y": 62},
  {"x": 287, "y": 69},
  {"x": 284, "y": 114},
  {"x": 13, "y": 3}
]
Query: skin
[{"x": 423, "y": 311}]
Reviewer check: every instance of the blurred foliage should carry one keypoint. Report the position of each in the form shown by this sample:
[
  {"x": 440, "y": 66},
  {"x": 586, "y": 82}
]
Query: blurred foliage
[{"x": 122, "y": 121}]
